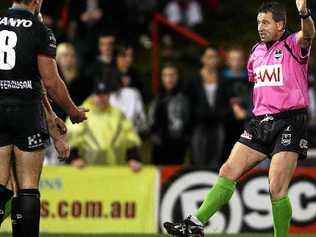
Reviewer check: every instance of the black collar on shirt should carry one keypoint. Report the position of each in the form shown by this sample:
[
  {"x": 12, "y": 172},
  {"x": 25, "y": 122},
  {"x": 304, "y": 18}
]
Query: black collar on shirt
[
  {"x": 283, "y": 37},
  {"x": 13, "y": 8}
]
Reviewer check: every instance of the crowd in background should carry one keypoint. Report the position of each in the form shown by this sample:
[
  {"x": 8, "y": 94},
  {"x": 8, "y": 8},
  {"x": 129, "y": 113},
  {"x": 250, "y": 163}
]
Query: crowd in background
[{"x": 192, "y": 119}]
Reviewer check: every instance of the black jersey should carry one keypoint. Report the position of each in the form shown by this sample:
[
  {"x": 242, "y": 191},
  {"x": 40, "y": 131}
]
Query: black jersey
[{"x": 22, "y": 38}]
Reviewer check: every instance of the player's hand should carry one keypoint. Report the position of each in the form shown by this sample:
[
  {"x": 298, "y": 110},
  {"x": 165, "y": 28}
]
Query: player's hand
[
  {"x": 301, "y": 6},
  {"x": 135, "y": 165},
  {"x": 78, "y": 115},
  {"x": 61, "y": 126},
  {"x": 62, "y": 148}
]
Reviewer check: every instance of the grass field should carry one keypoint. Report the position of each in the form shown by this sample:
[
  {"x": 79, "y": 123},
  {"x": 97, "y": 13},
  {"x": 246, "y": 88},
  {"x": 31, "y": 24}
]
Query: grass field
[{"x": 148, "y": 235}]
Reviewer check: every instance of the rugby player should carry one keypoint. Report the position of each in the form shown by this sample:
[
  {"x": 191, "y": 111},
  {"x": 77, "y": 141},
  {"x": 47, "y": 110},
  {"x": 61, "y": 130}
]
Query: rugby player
[
  {"x": 57, "y": 131},
  {"x": 278, "y": 68},
  {"x": 27, "y": 55}
]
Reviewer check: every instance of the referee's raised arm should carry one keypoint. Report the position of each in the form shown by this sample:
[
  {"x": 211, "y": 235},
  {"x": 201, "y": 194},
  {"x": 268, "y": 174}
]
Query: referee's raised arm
[
  {"x": 307, "y": 33},
  {"x": 57, "y": 90}
]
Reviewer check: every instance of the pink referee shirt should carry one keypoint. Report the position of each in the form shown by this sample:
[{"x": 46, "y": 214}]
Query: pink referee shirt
[{"x": 279, "y": 74}]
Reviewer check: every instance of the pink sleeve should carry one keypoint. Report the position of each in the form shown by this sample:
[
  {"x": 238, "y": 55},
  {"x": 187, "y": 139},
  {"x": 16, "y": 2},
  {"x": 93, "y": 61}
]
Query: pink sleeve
[
  {"x": 292, "y": 42},
  {"x": 250, "y": 69}
]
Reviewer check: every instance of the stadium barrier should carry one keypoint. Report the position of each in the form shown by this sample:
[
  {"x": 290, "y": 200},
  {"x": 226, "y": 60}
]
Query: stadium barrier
[
  {"x": 116, "y": 200},
  {"x": 249, "y": 210},
  {"x": 98, "y": 200}
]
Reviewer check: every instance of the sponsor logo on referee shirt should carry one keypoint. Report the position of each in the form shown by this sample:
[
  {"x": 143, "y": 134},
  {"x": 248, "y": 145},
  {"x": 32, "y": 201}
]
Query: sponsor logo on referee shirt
[
  {"x": 268, "y": 75},
  {"x": 278, "y": 54}
]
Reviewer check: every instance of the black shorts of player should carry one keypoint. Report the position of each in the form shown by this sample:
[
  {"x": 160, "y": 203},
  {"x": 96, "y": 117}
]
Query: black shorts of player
[
  {"x": 24, "y": 126},
  {"x": 274, "y": 133}
]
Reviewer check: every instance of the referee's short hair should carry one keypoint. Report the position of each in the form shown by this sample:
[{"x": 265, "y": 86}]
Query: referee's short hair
[
  {"x": 23, "y": 1},
  {"x": 277, "y": 9}
]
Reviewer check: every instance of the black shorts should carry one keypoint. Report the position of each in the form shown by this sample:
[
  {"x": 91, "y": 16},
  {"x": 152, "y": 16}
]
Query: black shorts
[
  {"x": 271, "y": 134},
  {"x": 24, "y": 126}
]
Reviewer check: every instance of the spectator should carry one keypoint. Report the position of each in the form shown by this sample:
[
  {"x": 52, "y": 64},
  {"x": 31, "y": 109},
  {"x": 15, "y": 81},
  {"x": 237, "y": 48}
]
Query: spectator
[
  {"x": 129, "y": 101},
  {"x": 210, "y": 106},
  {"x": 169, "y": 120},
  {"x": 78, "y": 87},
  {"x": 235, "y": 62},
  {"x": 185, "y": 12},
  {"x": 107, "y": 137},
  {"x": 50, "y": 13},
  {"x": 87, "y": 17},
  {"x": 104, "y": 62},
  {"x": 140, "y": 21},
  {"x": 239, "y": 90},
  {"x": 124, "y": 63}
]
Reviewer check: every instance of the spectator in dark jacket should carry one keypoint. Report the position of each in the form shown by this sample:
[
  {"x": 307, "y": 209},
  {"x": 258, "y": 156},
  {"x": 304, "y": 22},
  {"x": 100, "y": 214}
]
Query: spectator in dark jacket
[
  {"x": 236, "y": 78},
  {"x": 124, "y": 54},
  {"x": 105, "y": 61},
  {"x": 87, "y": 17},
  {"x": 71, "y": 74},
  {"x": 169, "y": 120},
  {"x": 210, "y": 107}
]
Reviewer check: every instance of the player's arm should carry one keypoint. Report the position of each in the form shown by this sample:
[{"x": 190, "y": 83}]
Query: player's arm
[
  {"x": 57, "y": 90},
  {"x": 57, "y": 129},
  {"x": 56, "y": 126},
  {"x": 307, "y": 32}
]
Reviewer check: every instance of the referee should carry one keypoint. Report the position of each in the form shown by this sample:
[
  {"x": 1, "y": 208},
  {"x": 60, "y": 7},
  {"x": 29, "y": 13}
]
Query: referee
[{"x": 277, "y": 67}]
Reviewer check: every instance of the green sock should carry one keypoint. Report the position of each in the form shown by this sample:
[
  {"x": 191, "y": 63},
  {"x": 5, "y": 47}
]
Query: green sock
[
  {"x": 7, "y": 209},
  {"x": 218, "y": 196},
  {"x": 282, "y": 213}
]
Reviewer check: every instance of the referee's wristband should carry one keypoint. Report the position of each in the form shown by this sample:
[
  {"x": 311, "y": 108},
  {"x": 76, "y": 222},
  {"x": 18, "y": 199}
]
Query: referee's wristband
[{"x": 308, "y": 14}]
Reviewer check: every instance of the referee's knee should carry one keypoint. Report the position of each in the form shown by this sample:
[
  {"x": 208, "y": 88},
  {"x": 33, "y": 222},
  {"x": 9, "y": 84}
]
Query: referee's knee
[
  {"x": 227, "y": 171},
  {"x": 277, "y": 189}
]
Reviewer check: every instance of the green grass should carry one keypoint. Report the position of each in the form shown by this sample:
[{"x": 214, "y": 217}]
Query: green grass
[{"x": 153, "y": 235}]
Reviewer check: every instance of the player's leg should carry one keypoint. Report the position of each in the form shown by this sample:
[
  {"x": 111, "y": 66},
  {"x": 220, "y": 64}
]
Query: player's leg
[
  {"x": 10, "y": 186},
  {"x": 5, "y": 194},
  {"x": 12, "y": 207},
  {"x": 26, "y": 205},
  {"x": 282, "y": 167},
  {"x": 241, "y": 159},
  {"x": 30, "y": 137},
  {"x": 290, "y": 145}
]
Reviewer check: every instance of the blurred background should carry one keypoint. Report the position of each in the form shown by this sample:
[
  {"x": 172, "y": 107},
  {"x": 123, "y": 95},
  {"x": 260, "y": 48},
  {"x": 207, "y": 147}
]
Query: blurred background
[{"x": 167, "y": 89}]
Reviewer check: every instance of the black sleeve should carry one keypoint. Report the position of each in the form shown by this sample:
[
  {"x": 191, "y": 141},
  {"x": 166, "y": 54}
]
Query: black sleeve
[{"x": 47, "y": 42}]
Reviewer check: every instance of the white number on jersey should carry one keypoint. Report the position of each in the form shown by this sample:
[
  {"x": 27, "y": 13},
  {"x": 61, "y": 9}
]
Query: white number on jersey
[{"x": 8, "y": 40}]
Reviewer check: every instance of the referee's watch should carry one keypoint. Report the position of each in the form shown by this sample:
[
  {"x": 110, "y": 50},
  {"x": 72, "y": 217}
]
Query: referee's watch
[{"x": 308, "y": 14}]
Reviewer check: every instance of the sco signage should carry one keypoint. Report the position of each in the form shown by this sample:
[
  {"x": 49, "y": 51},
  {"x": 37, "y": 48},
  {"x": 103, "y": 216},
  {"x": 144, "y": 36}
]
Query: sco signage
[{"x": 249, "y": 209}]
